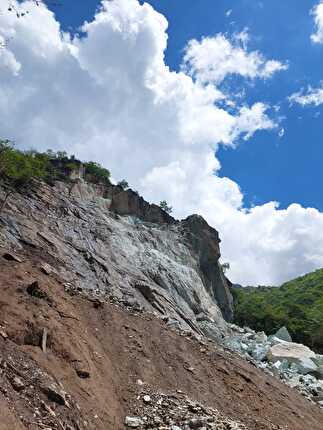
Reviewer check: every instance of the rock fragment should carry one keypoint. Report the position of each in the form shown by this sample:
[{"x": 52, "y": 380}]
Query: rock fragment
[
  {"x": 17, "y": 384},
  {"x": 283, "y": 334},
  {"x": 133, "y": 422}
]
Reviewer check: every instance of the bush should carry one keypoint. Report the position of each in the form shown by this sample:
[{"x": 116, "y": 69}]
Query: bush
[
  {"x": 96, "y": 173},
  {"x": 18, "y": 167},
  {"x": 164, "y": 205},
  {"x": 123, "y": 184}
]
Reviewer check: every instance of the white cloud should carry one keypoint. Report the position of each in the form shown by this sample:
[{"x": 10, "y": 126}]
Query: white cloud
[
  {"x": 317, "y": 12},
  {"x": 214, "y": 58},
  {"x": 313, "y": 96},
  {"x": 109, "y": 96}
]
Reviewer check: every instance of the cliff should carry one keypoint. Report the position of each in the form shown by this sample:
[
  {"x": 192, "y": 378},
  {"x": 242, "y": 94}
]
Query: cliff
[
  {"x": 103, "y": 299},
  {"x": 113, "y": 243}
]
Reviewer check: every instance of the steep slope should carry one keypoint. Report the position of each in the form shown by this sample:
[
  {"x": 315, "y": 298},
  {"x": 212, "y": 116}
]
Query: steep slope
[
  {"x": 112, "y": 242},
  {"x": 100, "y": 358},
  {"x": 297, "y": 304}
]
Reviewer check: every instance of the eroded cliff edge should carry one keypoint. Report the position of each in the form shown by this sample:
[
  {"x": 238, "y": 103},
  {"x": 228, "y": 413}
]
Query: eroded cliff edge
[{"x": 114, "y": 243}]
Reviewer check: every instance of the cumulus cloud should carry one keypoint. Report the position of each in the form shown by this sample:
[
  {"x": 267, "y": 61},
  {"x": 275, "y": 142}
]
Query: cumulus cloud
[
  {"x": 214, "y": 58},
  {"x": 313, "y": 96},
  {"x": 317, "y": 13},
  {"x": 108, "y": 95}
]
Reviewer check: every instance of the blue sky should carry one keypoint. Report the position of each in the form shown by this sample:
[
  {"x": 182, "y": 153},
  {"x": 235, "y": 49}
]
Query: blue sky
[
  {"x": 287, "y": 169},
  {"x": 202, "y": 103}
]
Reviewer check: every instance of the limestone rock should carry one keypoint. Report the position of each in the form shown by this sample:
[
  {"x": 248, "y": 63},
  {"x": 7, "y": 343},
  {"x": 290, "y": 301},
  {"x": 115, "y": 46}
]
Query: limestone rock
[
  {"x": 55, "y": 394},
  {"x": 130, "y": 250},
  {"x": 292, "y": 352},
  {"x": 17, "y": 383},
  {"x": 283, "y": 334},
  {"x": 133, "y": 422}
]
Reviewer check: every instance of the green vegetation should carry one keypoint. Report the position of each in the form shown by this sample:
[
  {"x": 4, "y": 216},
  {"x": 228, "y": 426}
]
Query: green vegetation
[
  {"x": 19, "y": 169},
  {"x": 297, "y": 304},
  {"x": 96, "y": 173},
  {"x": 164, "y": 205},
  {"x": 123, "y": 184}
]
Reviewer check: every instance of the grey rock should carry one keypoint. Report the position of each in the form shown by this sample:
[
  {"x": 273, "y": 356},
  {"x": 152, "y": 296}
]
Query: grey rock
[
  {"x": 133, "y": 422},
  {"x": 306, "y": 365},
  {"x": 292, "y": 352},
  {"x": 259, "y": 351},
  {"x": 112, "y": 243},
  {"x": 318, "y": 359},
  {"x": 283, "y": 334},
  {"x": 55, "y": 394},
  {"x": 17, "y": 384},
  {"x": 9, "y": 256}
]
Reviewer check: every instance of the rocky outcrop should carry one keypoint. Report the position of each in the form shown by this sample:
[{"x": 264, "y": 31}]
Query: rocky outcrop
[
  {"x": 113, "y": 243},
  {"x": 128, "y": 202}
]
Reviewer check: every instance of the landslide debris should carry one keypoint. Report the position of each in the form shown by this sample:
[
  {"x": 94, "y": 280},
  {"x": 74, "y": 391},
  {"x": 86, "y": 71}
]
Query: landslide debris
[{"x": 119, "y": 346}]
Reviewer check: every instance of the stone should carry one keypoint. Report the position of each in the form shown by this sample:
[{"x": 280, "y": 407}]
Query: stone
[
  {"x": 283, "y": 334},
  {"x": 9, "y": 256},
  {"x": 318, "y": 360},
  {"x": 3, "y": 334},
  {"x": 46, "y": 268},
  {"x": 133, "y": 422},
  {"x": 261, "y": 337},
  {"x": 17, "y": 384},
  {"x": 258, "y": 351},
  {"x": 306, "y": 365},
  {"x": 83, "y": 374},
  {"x": 196, "y": 423},
  {"x": 55, "y": 394},
  {"x": 319, "y": 372},
  {"x": 147, "y": 399},
  {"x": 292, "y": 352}
]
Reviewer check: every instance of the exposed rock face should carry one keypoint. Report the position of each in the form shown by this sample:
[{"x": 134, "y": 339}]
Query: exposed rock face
[
  {"x": 114, "y": 243},
  {"x": 129, "y": 203}
]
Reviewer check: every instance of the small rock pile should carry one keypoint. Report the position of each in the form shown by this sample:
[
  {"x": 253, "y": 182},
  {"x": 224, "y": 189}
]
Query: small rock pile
[
  {"x": 177, "y": 412},
  {"x": 277, "y": 355}
]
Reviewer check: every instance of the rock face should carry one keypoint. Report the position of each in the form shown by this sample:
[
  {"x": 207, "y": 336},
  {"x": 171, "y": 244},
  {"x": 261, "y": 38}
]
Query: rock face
[
  {"x": 129, "y": 203},
  {"x": 114, "y": 243}
]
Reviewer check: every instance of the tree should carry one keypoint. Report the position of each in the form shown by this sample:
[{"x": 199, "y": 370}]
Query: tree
[
  {"x": 96, "y": 173},
  {"x": 164, "y": 206},
  {"x": 19, "y": 168},
  {"x": 225, "y": 267},
  {"x": 123, "y": 184}
]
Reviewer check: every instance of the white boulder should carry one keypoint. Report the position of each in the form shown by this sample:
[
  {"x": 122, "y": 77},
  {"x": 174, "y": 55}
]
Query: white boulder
[{"x": 295, "y": 354}]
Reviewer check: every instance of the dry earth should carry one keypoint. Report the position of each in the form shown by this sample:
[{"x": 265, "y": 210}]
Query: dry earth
[{"x": 96, "y": 352}]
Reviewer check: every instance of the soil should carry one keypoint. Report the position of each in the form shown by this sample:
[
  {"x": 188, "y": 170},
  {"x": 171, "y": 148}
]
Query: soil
[{"x": 96, "y": 352}]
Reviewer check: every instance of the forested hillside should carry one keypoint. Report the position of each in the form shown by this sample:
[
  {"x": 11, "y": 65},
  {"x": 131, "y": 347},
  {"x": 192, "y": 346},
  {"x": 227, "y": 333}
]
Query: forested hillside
[{"x": 297, "y": 304}]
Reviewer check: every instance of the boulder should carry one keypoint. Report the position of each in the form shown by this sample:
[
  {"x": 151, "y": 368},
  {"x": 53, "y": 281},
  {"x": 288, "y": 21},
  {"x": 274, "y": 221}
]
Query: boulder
[
  {"x": 133, "y": 422},
  {"x": 258, "y": 351},
  {"x": 283, "y": 334},
  {"x": 318, "y": 360},
  {"x": 305, "y": 366},
  {"x": 293, "y": 353}
]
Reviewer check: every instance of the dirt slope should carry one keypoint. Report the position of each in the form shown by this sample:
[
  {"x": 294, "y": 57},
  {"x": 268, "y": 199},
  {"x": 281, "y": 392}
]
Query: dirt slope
[{"x": 97, "y": 352}]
